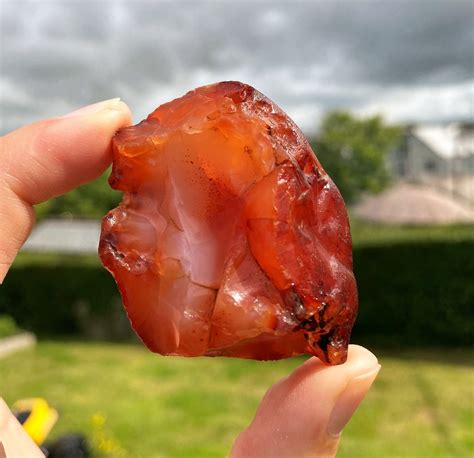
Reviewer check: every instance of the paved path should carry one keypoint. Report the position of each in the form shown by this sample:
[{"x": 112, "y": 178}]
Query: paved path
[
  {"x": 64, "y": 236},
  {"x": 12, "y": 344}
]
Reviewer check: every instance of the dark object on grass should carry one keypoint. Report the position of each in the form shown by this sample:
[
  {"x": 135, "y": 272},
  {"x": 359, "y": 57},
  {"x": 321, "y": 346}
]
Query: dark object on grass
[{"x": 69, "y": 446}]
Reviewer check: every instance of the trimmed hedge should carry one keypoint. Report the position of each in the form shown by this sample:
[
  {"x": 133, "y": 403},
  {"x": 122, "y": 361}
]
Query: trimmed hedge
[
  {"x": 410, "y": 293},
  {"x": 49, "y": 299},
  {"x": 416, "y": 293}
]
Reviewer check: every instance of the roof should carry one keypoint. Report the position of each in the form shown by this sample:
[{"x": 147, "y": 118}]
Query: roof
[
  {"x": 64, "y": 236},
  {"x": 448, "y": 141},
  {"x": 413, "y": 204}
]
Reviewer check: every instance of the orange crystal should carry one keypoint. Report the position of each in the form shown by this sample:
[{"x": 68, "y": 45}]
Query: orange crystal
[{"x": 231, "y": 239}]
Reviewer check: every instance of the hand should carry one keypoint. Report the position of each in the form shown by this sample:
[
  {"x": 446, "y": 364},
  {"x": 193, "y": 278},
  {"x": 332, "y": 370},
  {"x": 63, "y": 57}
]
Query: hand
[
  {"x": 301, "y": 416},
  {"x": 38, "y": 162}
]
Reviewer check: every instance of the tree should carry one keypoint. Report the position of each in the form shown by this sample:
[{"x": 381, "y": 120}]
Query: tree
[
  {"x": 92, "y": 200},
  {"x": 354, "y": 152}
]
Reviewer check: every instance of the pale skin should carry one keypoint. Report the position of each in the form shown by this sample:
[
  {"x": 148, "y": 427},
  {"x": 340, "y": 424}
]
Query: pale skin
[{"x": 301, "y": 416}]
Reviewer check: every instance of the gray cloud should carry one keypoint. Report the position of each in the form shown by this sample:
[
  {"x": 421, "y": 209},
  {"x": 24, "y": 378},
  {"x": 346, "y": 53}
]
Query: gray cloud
[{"x": 307, "y": 56}]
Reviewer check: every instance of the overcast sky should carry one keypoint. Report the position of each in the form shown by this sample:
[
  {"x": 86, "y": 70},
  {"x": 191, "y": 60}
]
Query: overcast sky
[{"x": 411, "y": 60}]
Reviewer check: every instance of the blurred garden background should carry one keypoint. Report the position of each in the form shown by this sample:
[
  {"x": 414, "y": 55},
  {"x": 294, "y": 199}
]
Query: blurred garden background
[{"x": 385, "y": 93}]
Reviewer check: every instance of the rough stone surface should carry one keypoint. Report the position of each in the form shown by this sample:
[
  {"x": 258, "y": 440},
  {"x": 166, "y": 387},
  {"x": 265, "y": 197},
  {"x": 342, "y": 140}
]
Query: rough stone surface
[{"x": 231, "y": 240}]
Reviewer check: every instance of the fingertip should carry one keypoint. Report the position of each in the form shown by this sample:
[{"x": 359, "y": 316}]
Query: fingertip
[
  {"x": 360, "y": 360},
  {"x": 113, "y": 109},
  {"x": 349, "y": 400},
  {"x": 120, "y": 114},
  {"x": 96, "y": 123},
  {"x": 52, "y": 156},
  {"x": 76, "y": 147},
  {"x": 358, "y": 351},
  {"x": 314, "y": 403}
]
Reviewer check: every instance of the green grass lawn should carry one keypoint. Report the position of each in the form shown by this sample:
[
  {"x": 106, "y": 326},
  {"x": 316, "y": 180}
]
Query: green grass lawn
[
  {"x": 136, "y": 404},
  {"x": 131, "y": 403},
  {"x": 365, "y": 233}
]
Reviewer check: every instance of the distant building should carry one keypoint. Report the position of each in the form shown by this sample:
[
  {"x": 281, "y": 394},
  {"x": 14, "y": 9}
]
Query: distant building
[{"x": 440, "y": 156}]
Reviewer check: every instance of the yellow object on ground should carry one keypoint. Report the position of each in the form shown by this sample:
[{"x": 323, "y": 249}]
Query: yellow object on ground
[{"x": 36, "y": 416}]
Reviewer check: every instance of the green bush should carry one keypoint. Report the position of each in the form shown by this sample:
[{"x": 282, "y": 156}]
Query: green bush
[
  {"x": 410, "y": 293},
  {"x": 47, "y": 298},
  {"x": 8, "y": 326}
]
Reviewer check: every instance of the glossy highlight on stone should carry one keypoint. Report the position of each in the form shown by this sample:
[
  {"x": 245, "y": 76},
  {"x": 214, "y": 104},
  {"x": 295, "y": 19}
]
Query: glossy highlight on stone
[{"x": 231, "y": 239}]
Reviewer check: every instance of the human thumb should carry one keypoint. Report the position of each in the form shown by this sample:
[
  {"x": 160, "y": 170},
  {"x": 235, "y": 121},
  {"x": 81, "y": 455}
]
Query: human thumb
[
  {"x": 48, "y": 158},
  {"x": 304, "y": 414}
]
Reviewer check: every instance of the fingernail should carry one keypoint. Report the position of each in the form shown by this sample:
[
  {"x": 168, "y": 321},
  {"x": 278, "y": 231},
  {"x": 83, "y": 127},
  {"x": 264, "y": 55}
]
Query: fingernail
[
  {"x": 349, "y": 400},
  {"x": 94, "y": 108}
]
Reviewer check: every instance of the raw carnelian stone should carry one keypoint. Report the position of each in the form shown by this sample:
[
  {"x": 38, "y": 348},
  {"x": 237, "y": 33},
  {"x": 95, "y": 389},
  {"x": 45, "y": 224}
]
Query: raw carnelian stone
[{"x": 231, "y": 239}]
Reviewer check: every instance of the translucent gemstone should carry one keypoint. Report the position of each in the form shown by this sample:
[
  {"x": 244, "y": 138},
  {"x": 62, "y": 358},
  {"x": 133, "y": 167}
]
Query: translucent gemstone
[{"x": 231, "y": 240}]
